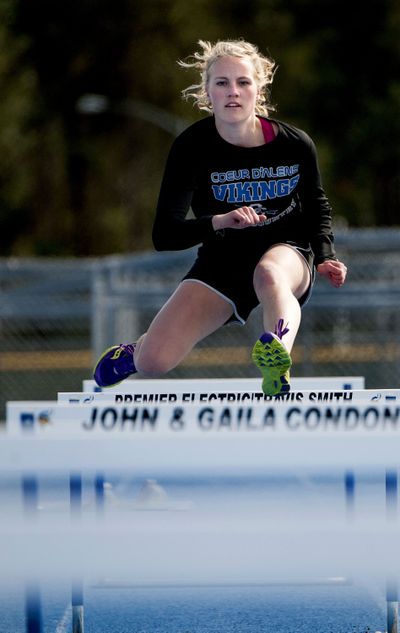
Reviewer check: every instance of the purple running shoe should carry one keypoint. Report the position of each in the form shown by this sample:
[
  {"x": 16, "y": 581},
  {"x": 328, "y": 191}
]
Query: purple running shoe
[{"x": 114, "y": 365}]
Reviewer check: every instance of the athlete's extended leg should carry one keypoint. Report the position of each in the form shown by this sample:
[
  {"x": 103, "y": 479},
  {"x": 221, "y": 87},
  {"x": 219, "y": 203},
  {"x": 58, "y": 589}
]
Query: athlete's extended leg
[
  {"x": 193, "y": 312},
  {"x": 281, "y": 277}
]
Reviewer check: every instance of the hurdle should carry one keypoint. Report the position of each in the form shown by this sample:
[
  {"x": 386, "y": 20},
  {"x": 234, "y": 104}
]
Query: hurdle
[
  {"x": 391, "y": 498},
  {"x": 391, "y": 484},
  {"x": 33, "y": 609},
  {"x": 314, "y": 414},
  {"x": 34, "y": 618},
  {"x": 120, "y": 434},
  {"x": 194, "y": 385},
  {"x": 181, "y": 396}
]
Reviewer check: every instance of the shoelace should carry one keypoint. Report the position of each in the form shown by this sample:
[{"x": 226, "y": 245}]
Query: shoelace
[
  {"x": 128, "y": 347},
  {"x": 281, "y": 329},
  {"x": 126, "y": 362}
]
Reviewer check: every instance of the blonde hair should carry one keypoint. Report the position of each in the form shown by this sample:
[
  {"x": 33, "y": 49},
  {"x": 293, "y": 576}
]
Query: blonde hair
[{"x": 264, "y": 70}]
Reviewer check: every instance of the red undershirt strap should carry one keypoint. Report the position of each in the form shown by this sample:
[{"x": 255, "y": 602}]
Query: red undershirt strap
[{"x": 268, "y": 130}]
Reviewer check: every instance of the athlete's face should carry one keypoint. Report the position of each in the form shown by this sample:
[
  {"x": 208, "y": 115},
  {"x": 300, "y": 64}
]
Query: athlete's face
[{"x": 232, "y": 89}]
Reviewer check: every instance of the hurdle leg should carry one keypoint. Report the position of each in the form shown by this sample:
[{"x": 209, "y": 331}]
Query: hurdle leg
[
  {"x": 99, "y": 494},
  {"x": 392, "y": 600},
  {"x": 77, "y": 607},
  {"x": 30, "y": 495},
  {"x": 33, "y": 609},
  {"x": 75, "y": 489},
  {"x": 349, "y": 486},
  {"x": 392, "y": 607},
  {"x": 391, "y": 495}
]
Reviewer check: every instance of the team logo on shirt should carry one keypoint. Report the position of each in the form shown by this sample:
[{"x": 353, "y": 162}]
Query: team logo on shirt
[{"x": 240, "y": 186}]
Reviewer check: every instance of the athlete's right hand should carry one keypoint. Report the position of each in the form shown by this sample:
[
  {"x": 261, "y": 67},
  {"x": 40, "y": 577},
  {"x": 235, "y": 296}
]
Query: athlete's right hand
[{"x": 237, "y": 219}]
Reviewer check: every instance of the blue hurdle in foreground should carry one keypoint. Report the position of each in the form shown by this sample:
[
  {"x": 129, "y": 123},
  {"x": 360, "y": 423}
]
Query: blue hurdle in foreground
[{"x": 353, "y": 434}]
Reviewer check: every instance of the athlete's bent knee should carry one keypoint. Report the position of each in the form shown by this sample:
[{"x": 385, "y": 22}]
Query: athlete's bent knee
[{"x": 267, "y": 274}]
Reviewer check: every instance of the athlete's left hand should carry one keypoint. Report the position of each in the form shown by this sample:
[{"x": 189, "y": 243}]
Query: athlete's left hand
[{"x": 334, "y": 271}]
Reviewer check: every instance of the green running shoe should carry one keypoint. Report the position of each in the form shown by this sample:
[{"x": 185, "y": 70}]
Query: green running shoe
[{"x": 272, "y": 358}]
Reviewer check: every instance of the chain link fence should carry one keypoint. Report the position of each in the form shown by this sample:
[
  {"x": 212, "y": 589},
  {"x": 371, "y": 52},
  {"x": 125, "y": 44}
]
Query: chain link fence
[{"x": 57, "y": 315}]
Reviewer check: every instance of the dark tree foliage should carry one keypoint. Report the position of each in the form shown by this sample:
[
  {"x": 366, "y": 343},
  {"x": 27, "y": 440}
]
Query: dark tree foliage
[{"x": 81, "y": 177}]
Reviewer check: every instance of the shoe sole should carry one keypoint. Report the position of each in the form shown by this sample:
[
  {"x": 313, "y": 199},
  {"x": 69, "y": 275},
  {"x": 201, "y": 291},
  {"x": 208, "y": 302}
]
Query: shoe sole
[{"x": 274, "y": 362}]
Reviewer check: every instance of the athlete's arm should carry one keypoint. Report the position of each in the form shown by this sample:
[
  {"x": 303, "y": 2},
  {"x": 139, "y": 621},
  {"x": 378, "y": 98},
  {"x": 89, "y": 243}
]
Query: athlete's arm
[
  {"x": 237, "y": 219},
  {"x": 334, "y": 271},
  {"x": 316, "y": 206},
  {"x": 172, "y": 230}
]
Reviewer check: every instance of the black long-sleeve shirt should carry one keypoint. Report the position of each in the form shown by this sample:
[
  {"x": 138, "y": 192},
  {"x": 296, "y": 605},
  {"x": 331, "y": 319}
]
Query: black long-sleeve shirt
[{"x": 211, "y": 176}]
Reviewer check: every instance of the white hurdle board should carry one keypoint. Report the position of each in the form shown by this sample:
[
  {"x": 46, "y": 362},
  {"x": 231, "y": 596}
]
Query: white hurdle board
[
  {"x": 47, "y": 418},
  {"x": 202, "y": 437},
  {"x": 197, "y": 385},
  {"x": 227, "y": 397}
]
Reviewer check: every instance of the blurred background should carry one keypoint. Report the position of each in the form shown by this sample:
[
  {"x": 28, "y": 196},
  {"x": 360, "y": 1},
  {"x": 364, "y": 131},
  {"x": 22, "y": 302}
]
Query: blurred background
[{"x": 90, "y": 103}]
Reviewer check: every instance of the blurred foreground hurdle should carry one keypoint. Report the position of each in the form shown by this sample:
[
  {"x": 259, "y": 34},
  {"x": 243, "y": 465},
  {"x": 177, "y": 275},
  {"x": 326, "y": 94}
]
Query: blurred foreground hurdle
[{"x": 210, "y": 439}]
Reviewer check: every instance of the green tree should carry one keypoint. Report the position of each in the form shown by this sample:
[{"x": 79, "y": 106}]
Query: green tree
[
  {"x": 86, "y": 183},
  {"x": 353, "y": 101},
  {"x": 17, "y": 139}
]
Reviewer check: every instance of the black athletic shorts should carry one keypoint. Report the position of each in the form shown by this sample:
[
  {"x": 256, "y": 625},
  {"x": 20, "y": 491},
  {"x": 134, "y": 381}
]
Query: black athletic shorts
[{"x": 233, "y": 279}]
